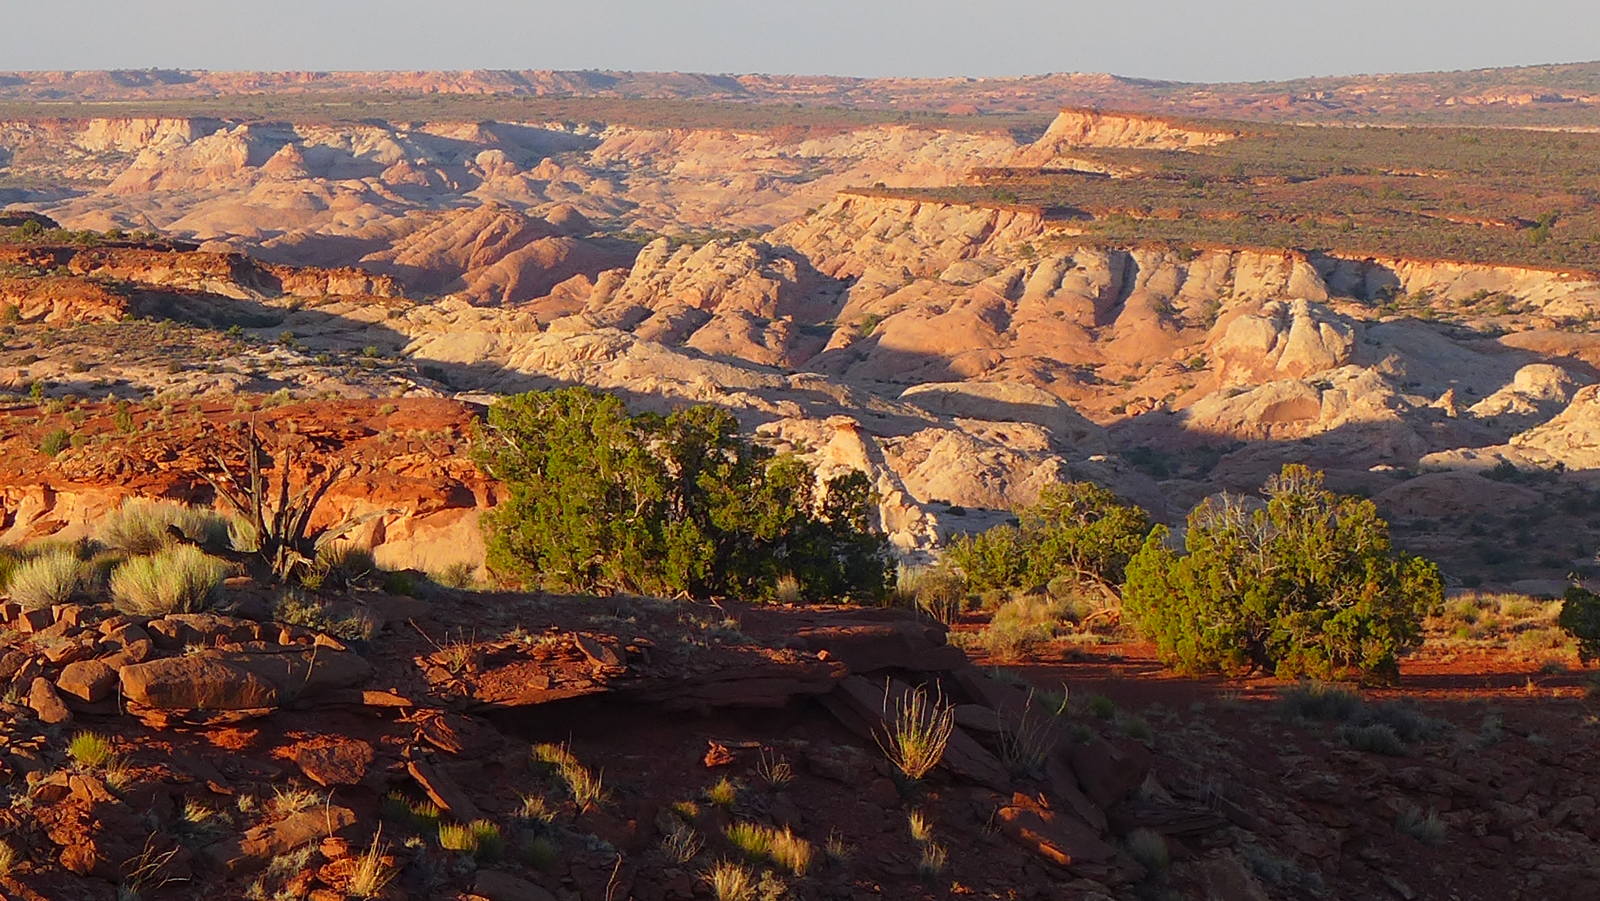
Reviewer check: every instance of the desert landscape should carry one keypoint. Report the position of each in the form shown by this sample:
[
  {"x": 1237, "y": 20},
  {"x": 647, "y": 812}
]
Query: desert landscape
[{"x": 616, "y": 485}]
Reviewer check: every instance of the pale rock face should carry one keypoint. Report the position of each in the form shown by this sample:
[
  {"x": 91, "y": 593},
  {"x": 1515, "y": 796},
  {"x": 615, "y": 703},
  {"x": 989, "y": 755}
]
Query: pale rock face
[
  {"x": 1090, "y": 128},
  {"x": 1538, "y": 389},
  {"x": 1280, "y": 340}
]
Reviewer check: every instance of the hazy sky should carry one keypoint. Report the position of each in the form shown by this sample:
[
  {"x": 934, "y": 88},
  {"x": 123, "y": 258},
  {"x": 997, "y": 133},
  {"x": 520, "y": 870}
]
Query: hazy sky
[{"x": 1193, "y": 40}]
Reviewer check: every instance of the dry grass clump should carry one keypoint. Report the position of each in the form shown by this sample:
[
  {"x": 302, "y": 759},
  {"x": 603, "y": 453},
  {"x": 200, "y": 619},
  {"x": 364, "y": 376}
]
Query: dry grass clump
[
  {"x": 918, "y": 727},
  {"x": 682, "y": 843},
  {"x": 177, "y": 579},
  {"x": 50, "y": 578},
  {"x": 587, "y": 787},
  {"x": 458, "y": 837},
  {"x": 938, "y": 591},
  {"x": 373, "y": 872},
  {"x": 91, "y": 750},
  {"x": 1023, "y": 623},
  {"x": 766, "y": 843},
  {"x": 8, "y": 858},
  {"x": 143, "y": 525},
  {"x": 774, "y": 769},
  {"x": 731, "y": 881},
  {"x": 723, "y": 793},
  {"x": 1149, "y": 848}
]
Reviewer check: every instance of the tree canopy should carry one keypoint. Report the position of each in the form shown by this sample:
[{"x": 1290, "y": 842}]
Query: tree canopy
[
  {"x": 1306, "y": 585},
  {"x": 598, "y": 500}
]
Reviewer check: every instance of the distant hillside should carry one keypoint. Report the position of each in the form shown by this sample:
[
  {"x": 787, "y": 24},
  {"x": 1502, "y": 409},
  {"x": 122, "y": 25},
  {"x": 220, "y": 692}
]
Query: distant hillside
[{"x": 1551, "y": 95}]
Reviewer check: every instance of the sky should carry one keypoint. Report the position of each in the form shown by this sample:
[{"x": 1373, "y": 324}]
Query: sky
[{"x": 1186, "y": 40}]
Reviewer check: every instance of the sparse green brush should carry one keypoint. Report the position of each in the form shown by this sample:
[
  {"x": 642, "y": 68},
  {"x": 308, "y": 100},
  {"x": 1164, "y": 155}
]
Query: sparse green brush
[
  {"x": 45, "y": 580},
  {"x": 1027, "y": 740},
  {"x": 425, "y": 814},
  {"x": 1022, "y": 623},
  {"x": 1101, "y": 707},
  {"x": 486, "y": 835},
  {"x": 1424, "y": 827},
  {"x": 54, "y": 442},
  {"x": 752, "y": 840},
  {"x": 917, "y": 727},
  {"x": 143, "y": 525},
  {"x": 1375, "y": 738},
  {"x": 1320, "y": 701},
  {"x": 541, "y": 853},
  {"x": 731, "y": 881},
  {"x": 177, "y": 579},
  {"x": 1149, "y": 848},
  {"x": 457, "y": 837}
]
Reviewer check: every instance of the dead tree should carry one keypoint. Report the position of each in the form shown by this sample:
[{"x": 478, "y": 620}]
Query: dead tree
[{"x": 279, "y": 507}]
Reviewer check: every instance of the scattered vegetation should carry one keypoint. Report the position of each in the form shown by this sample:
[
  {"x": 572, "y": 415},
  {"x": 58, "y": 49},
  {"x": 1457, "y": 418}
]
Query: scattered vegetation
[
  {"x": 1580, "y": 618},
  {"x": 730, "y": 881},
  {"x": 586, "y": 787}
]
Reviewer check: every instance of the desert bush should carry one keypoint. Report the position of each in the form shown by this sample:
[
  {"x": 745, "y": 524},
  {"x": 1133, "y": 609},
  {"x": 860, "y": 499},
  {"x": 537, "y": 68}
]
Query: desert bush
[
  {"x": 1306, "y": 585},
  {"x": 723, "y": 793},
  {"x": 1580, "y": 618},
  {"x": 44, "y": 580},
  {"x": 1149, "y": 848},
  {"x": 599, "y": 500},
  {"x": 461, "y": 576},
  {"x": 143, "y": 525},
  {"x": 487, "y": 839},
  {"x": 586, "y": 786},
  {"x": 54, "y": 442},
  {"x": 178, "y": 579},
  {"x": 781, "y": 847},
  {"x": 917, "y": 727},
  {"x": 1077, "y": 530},
  {"x": 1320, "y": 701},
  {"x": 1376, "y": 738}
]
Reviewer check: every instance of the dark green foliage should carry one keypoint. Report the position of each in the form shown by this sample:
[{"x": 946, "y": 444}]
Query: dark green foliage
[
  {"x": 54, "y": 442},
  {"x": 1580, "y": 617},
  {"x": 1077, "y": 530},
  {"x": 1307, "y": 585},
  {"x": 599, "y": 500}
]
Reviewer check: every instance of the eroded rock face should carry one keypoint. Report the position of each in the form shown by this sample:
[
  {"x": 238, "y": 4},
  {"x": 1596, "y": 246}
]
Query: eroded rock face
[{"x": 1280, "y": 340}]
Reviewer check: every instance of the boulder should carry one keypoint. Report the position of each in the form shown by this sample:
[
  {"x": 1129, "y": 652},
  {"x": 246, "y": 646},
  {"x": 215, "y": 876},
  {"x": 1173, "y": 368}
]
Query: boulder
[
  {"x": 1059, "y": 838},
  {"x": 252, "y": 850},
  {"x": 87, "y": 680},
  {"x": 340, "y": 761},
  {"x": 46, "y": 704},
  {"x": 196, "y": 682}
]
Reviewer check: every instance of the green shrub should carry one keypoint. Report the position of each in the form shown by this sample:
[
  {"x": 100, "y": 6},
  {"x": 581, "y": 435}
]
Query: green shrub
[
  {"x": 1580, "y": 618},
  {"x": 1307, "y": 585},
  {"x": 45, "y": 580},
  {"x": 178, "y": 579},
  {"x": 1078, "y": 531},
  {"x": 1021, "y": 623},
  {"x": 54, "y": 442},
  {"x": 143, "y": 525},
  {"x": 598, "y": 500},
  {"x": 91, "y": 750}
]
